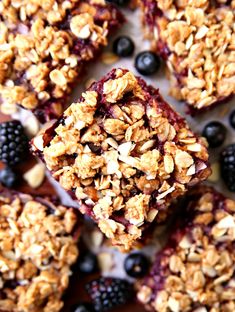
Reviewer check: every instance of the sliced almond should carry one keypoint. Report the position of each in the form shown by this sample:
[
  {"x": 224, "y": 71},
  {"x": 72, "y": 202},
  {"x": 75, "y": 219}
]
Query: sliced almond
[
  {"x": 152, "y": 215},
  {"x": 215, "y": 172},
  {"x": 202, "y": 31},
  {"x": 96, "y": 239},
  {"x": 125, "y": 148},
  {"x": 147, "y": 145},
  {"x": 38, "y": 142},
  {"x": 32, "y": 126},
  {"x": 185, "y": 242},
  {"x": 226, "y": 223},
  {"x": 112, "y": 142},
  {"x": 173, "y": 304},
  {"x": 183, "y": 159},
  {"x": 196, "y": 147},
  {"x": 144, "y": 295},
  {"x": 35, "y": 176},
  {"x": 164, "y": 194},
  {"x": 168, "y": 163},
  {"x": 8, "y": 109},
  {"x": 105, "y": 261}
]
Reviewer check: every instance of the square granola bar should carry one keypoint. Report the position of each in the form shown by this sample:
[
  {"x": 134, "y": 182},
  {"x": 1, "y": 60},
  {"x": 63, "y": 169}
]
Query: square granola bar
[
  {"x": 195, "y": 272},
  {"x": 124, "y": 154},
  {"x": 44, "y": 46},
  {"x": 38, "y": 245},
  {"x": 197, "y": 40}
]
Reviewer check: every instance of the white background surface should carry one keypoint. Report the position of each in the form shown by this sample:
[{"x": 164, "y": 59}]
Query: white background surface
[{"x": 98, "y": 69}]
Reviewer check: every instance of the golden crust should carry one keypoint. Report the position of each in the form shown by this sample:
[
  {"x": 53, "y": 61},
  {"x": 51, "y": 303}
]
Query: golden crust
[{"x": 36, "y": 252}]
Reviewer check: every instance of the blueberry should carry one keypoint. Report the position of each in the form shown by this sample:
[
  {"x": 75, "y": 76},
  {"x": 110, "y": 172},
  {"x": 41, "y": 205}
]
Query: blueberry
[
  {"x": 136, "y": 265},
  {"x": 123, "y": 46},
  {"x": 82, "y": 307},
  {"x": 87, "y": 263},
  {"x": 119, "y": 2},
  {"x": 227, "y": 165},
  {"x": 232, "y": 119},
  {"x": 215, "y": 133},
  {"x": 147, "y": 63},
  {"x": 8, "y": 177}
]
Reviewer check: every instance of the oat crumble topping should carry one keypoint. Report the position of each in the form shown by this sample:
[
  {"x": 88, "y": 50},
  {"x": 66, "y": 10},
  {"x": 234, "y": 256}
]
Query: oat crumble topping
[
  {"x": 124, "y": 154},
  {"x": 196, "y": 270},
  {"x": 37, "y": 249},
  {"x": 44, "y": 46},
  {"x": 197, "y": 40}
]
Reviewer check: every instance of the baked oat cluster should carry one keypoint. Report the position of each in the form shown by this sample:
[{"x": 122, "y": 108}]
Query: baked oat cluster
[
  {"x": 196, "y": 270},
  {"x": 124, "y": 154},
  {"x": 44, "y": 46},
  {"x": 197, "y": 39},
  {"x": 37, "y": 248}
]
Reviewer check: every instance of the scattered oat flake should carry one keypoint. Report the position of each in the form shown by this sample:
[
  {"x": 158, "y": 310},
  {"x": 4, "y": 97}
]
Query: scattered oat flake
[
  {"x": 215, "y": 172},
  {"x": 109, "y": 58}
]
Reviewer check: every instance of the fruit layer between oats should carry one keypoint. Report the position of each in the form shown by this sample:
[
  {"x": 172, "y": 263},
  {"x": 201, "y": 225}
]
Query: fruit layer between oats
[
  {"x": 197, "y": 40},
  {"x": 195, "y": 271},
  {"x": 124, "y": 154},
  {"x": 44, "y": 46},
  {"x": 38, "y": 245}
]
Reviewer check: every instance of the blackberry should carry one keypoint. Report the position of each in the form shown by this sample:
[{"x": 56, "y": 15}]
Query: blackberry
[
  {"x": 227, "y": 162},
  {"x": 107, "y": 293},
  {"x": 13, "y": 143}
]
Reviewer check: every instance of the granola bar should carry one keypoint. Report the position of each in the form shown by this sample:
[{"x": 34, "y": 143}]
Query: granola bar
[
  {"x": 124, "y": 154},
  {"x": 195, "y": 272},
  {"x": 44, "y": 46},
  {"x": 38, "y": 245},
  {"x": 197, "y": 40}
]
